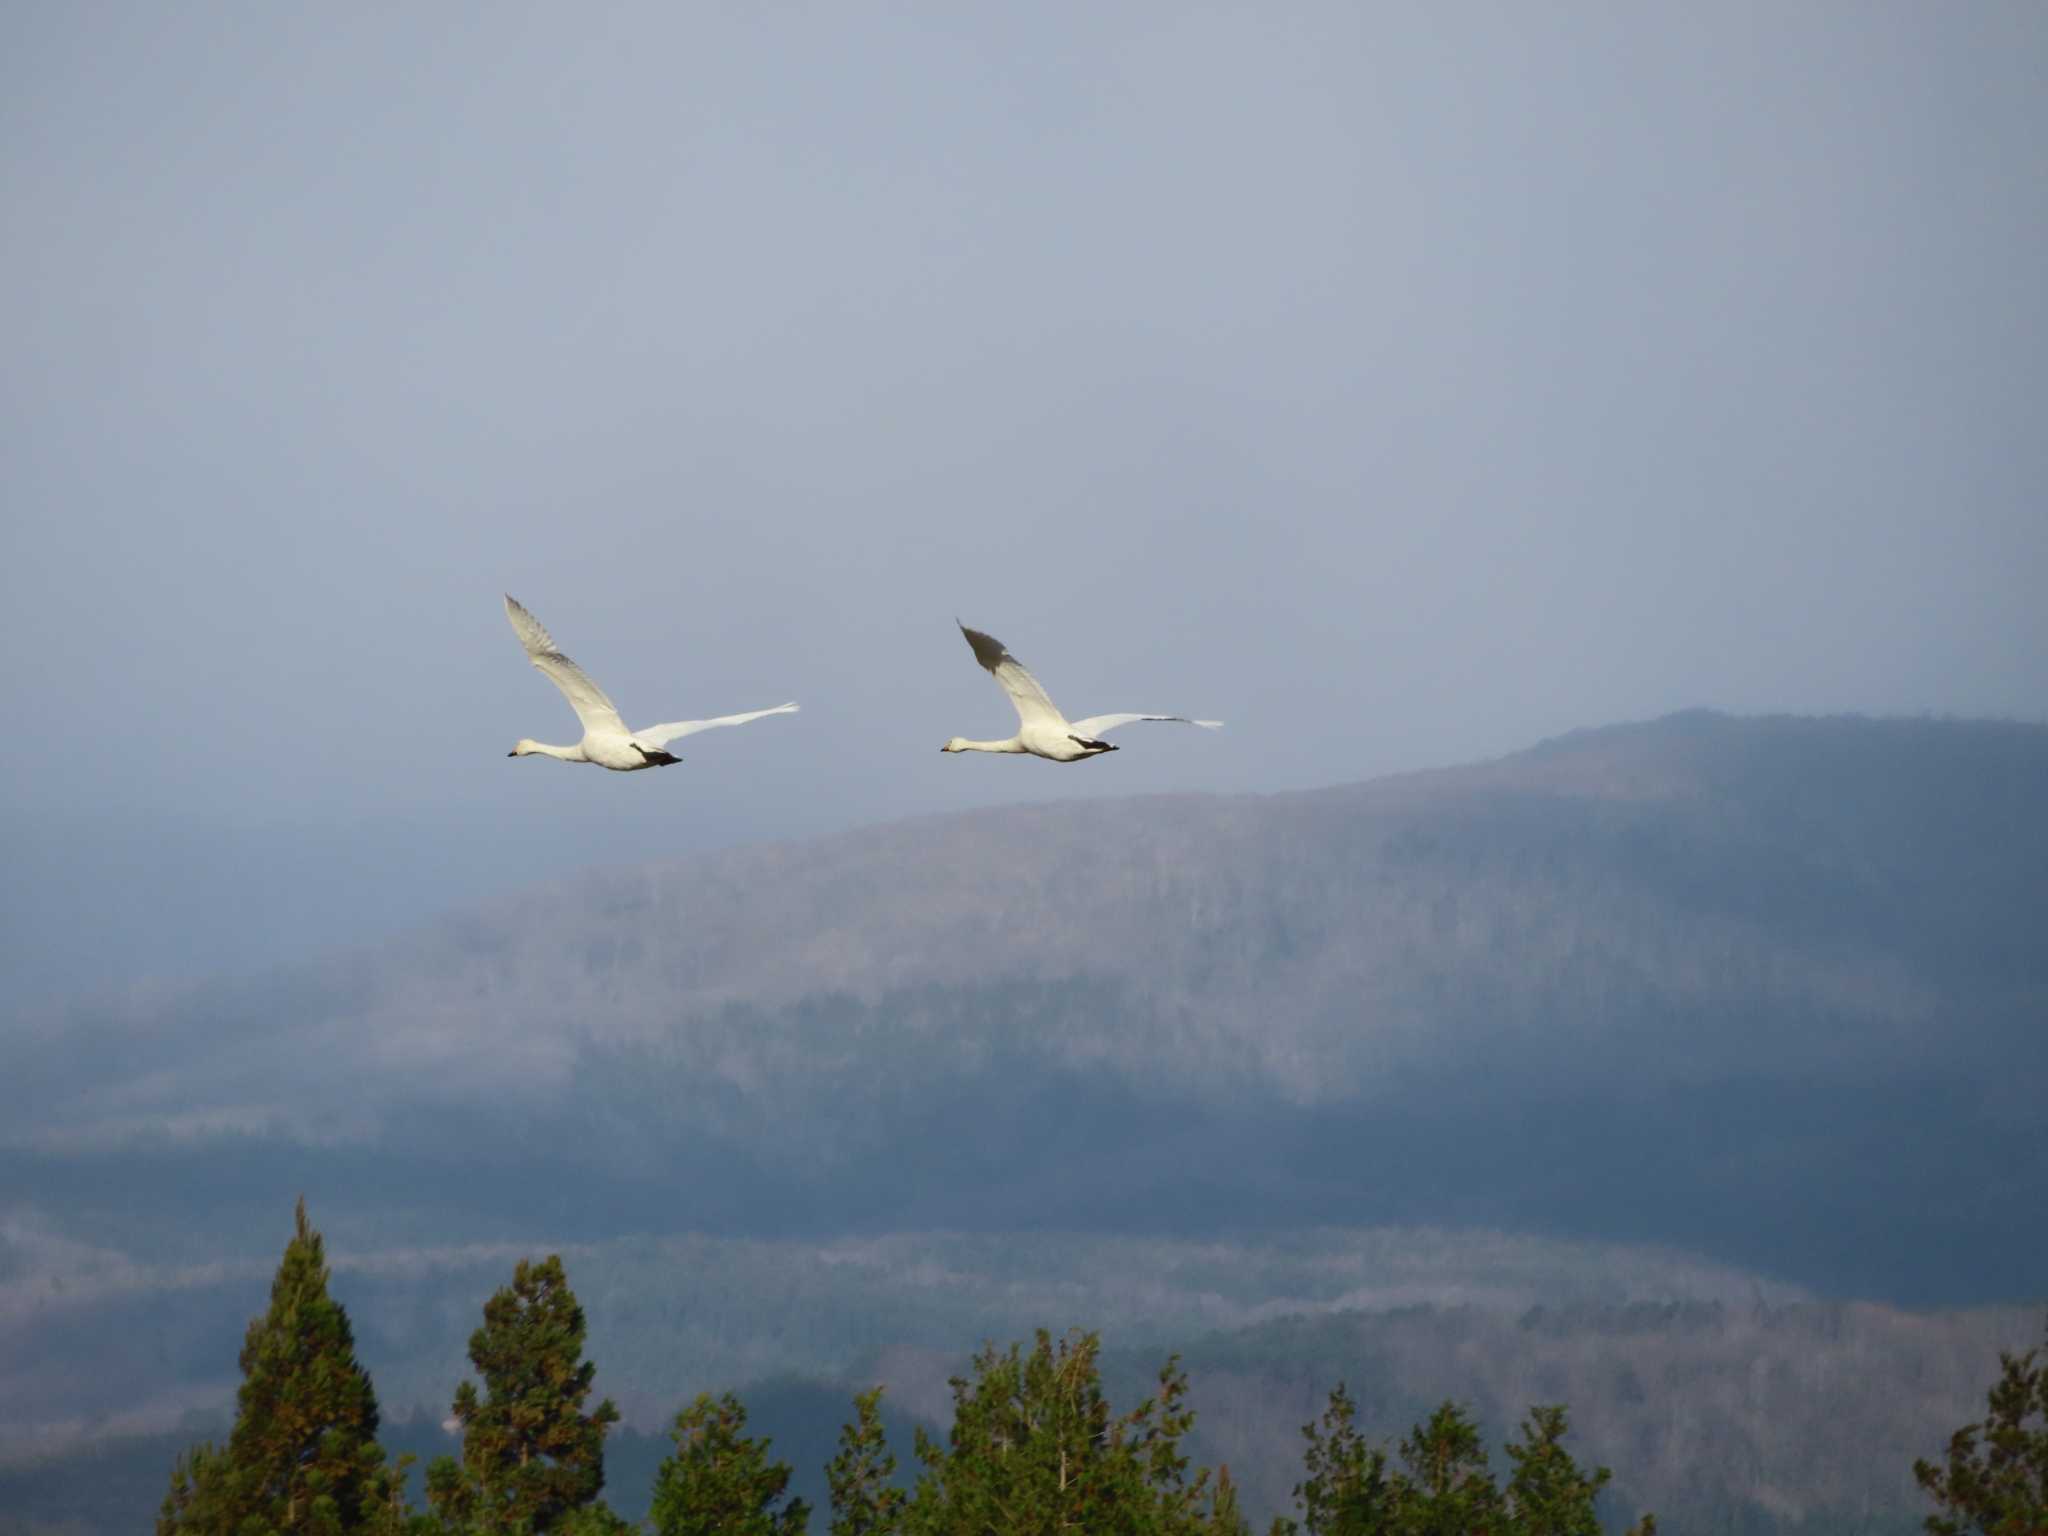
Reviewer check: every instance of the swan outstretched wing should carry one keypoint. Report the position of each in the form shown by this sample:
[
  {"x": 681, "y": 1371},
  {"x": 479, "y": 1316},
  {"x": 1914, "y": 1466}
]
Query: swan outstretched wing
[
  {"x": 588, "y": 700},
  {"x": 662, "y": 735},
  {"x": 1025, "y": 691},
  {"x": 1096, "y": 725}
]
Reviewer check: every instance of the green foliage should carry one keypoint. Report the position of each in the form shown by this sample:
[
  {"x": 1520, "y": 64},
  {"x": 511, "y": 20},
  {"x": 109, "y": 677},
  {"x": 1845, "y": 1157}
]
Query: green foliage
[
  {"x": 865, "y": 1500},
  {"x": 1445, "y": 1487},
  {"x": 1225, "y": 1518},
  {"x": 1345, "y": 1490},
  {"x": 530, "y": 1455},
  {"x": 595, "y": 1519},
  {"x": 199, "y": 1494},
  {"x": 1448, "y": 1490},
  {"x": 1996, "y": 1477},
  {"x": 1547, "y": 1493},
  {"x": 720, "y": 1481},
  {"x": 303, "y": 1454},
  {"x": 1035, "y": 1448}
]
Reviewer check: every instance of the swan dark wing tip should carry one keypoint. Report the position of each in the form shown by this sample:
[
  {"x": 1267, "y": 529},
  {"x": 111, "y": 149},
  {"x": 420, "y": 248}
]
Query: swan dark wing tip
[{"x": 988, "y": 650}]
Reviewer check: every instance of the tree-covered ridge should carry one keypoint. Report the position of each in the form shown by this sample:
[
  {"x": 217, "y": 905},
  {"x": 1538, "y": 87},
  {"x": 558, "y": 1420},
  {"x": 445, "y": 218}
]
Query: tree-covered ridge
[
  {"x": 1035, "y": 1446},
  {"x": 1764, "y": 991},
  {"x": 1745, "y": 1408},
  {"x": 1757, "y": 976}
]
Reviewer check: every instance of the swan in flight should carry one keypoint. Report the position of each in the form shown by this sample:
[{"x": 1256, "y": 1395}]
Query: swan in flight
[
  {"x": 1041, "y": 729},
  {"x": 606, "y": 741}
]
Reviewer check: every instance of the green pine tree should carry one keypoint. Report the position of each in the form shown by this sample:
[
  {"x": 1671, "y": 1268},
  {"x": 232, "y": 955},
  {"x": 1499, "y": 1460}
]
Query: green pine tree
[
  {"x": 1035, "y": 1449},
  {"x": 531, "y": 1457},
  {"x": 1225, "y": 1518},
  {"x": 720, "y": 1481},
  {"x": 198, "y": 1498},
  {"x": 1447, "y": 1489},
  {"x": 865, "y": 1500},
  {"x": 1547, "y": 1493},
  {"x": 1345, "y": 1490},
  {"x": 1995, "y": 1480},
  {"x": 303, "y": 1454}
]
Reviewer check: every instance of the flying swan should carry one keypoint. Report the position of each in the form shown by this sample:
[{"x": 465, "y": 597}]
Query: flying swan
[
  {"x": 606, "y": 741},
  {"x": 1041, "y": 729}
]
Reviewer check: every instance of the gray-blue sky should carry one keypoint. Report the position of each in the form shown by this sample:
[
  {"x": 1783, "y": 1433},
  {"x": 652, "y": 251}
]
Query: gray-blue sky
[{"x": 1402, "y": 384}]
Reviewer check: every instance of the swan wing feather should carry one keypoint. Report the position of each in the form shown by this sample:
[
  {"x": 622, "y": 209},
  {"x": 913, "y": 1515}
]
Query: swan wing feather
[
  {"x": 1097, "y": 725},
  {"x": 662, "y": 735},
  {"x": 1034, "y": 706},
  {"x": 597, "y": 712}
]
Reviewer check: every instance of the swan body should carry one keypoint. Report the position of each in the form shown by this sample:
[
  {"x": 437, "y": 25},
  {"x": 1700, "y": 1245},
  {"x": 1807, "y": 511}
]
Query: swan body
[
  {"x": 1042, "y": 730},
  {"x": 606, "y": 740}
]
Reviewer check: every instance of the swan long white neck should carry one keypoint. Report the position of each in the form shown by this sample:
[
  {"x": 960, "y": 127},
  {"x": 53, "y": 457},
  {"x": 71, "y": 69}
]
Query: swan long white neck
[
  {"x": 962, "y": 744},
  {"x": 566, "y": 754}
]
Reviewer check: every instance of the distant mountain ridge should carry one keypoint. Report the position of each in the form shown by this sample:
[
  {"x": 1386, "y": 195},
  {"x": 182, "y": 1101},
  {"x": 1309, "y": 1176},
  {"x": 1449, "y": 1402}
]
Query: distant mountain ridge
[{"x": 1770, "y": 988}]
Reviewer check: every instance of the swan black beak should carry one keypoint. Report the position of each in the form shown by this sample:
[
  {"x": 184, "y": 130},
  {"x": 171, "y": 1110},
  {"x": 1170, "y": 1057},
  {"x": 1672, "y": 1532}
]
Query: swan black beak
[{"x": 511, "y": 754}]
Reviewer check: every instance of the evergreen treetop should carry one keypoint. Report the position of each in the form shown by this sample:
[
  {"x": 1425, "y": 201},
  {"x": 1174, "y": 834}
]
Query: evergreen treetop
[
  {"x": 530, "y": 1454},
  {"x": 720, "y": 1481},
  {"x": 1444, "y": 1486},
  {"x": 1994, "y": 1479},
  {"x": 303, "y": 1454},
  {"x": 1035, "y": 1448},
  {"x": 865, "y": 1500}
]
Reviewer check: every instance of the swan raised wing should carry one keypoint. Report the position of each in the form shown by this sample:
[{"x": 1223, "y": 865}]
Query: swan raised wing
[
  {"x": 598, "y": 714},
  {"x": 1034, "y": 706}
]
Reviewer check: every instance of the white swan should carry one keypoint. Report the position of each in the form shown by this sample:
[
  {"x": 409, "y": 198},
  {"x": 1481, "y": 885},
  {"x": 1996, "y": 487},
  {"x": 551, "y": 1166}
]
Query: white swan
[
  {"x": 606, "y": 741},
  {"x": 1041, "y": 729}
]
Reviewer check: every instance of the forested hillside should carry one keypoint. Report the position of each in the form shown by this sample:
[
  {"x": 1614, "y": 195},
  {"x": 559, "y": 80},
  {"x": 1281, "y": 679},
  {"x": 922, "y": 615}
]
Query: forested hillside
[
  {"x": 1758, "y": 1414},
  {"x": 1771, "y": 989},
  {"x": 1765, "y": 994}
]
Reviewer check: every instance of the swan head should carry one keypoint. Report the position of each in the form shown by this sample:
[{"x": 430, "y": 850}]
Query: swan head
[
  {"x": 957, "y": 744},
  {"x": 523, "y": 747}
]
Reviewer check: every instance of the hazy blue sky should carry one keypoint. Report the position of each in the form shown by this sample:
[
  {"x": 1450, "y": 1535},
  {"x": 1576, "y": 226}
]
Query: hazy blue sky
[{"x": 1402, "y": 384}]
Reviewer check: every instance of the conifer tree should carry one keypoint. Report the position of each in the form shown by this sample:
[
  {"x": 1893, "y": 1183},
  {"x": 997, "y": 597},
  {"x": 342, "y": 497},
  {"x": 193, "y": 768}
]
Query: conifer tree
[
  {"x": 1447, "y": 1490},
  {"x": 303, "y": 1454},
  {"x": 1225, "y": 1518},
  {"x": 1035, "y": 1449},
  {"x": 1445, "y": 1487},
  {"x": 198, "y": 1497},
  {"x": 1547, "y": 1493},
  {"x": 865, "y": 1500},
  {"x": 1995, "y": 1479},
  {"x": 720, "y": 1481},
  {"x": 530, "y": 1454},
  {"x": 1345, "y": 1491}
]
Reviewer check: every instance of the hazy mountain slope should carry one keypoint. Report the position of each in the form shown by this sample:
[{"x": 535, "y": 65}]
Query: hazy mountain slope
[{"x": 1768, "y": 988}]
